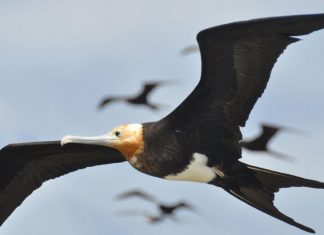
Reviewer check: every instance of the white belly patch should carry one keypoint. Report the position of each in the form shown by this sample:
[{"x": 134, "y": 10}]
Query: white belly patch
[{"x": 197, "y": 170}]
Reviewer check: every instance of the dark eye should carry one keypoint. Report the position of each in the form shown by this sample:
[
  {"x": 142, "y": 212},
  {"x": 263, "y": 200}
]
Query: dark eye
[{"x": 117, "y": 133}]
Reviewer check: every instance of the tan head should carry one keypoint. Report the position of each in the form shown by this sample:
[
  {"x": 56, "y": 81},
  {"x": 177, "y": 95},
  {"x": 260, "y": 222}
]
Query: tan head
[{"x": 128, "y": 139}]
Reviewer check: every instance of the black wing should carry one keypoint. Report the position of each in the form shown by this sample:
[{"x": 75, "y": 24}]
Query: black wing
[
  {"x": 24, "y": 167},
  {"x": 137, "y": 193},
  {"x": 237, "y": 60},
  {"x": 147, "y": 89},
  {"x": 107, "y": 100},
  {"x": 260, "y": 142}
]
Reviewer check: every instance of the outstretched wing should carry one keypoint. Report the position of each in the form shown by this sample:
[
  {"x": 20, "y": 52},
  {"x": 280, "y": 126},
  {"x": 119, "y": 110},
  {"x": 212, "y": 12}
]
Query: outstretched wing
[
  {"x": 137, "y": 193},
  {"x": 237, "y": 60},
  {"x": 24, "y": 167},
  {"x": 107, "y": 100}
]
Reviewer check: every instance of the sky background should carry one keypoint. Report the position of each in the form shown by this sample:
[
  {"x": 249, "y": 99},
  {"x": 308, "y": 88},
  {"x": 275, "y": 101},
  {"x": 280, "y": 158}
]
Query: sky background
[{"x": 58, "y": 58}]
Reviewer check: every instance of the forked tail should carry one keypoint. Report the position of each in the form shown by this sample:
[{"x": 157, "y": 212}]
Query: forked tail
[{"x": 256, "y": 187}]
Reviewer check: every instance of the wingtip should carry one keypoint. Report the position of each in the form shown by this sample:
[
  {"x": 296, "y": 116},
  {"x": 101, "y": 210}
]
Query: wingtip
[
  {"x": 305, "y": 228},
  {"x": 100, "y": 106}
]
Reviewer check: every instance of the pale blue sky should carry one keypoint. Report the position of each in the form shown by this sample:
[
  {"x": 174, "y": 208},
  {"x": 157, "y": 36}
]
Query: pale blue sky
[{"x": 58, "y": 58}]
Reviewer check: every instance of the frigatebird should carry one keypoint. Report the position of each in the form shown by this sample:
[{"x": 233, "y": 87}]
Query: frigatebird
[
  {"x": 140, "y": 99},
  {"x": 189, "y": 49},
  {"x": 261, "y": 142},
  {"x": 164, "y": 209},
  {"x": 199, "y": 140}
]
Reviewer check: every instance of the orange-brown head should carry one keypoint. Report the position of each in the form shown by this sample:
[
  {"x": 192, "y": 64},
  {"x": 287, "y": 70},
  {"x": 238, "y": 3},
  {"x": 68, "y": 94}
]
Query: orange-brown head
[{"x": 128, "y": 139}]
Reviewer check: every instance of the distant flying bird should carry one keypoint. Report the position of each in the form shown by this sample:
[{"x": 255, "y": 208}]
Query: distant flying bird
[
  {"x": 198, "y": 141},
  {"x": 140, "y": 99},
  {"x": 261, "y": 142},
  {"x": 149, "y": 216},
  {"x": 189, "y": 49},
  {"x": 165, "y": 210},
  {"x": 153, "y": 219}
]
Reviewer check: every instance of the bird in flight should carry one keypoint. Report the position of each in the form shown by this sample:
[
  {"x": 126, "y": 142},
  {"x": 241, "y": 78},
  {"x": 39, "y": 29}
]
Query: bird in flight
[
  {"x": 189, "y": 49},
  {"x": 261, "y": 142},
  {"x": 198, "y": 141},
  {"x": 140, "y": 99},
  {"x": 164, "y": 209}
]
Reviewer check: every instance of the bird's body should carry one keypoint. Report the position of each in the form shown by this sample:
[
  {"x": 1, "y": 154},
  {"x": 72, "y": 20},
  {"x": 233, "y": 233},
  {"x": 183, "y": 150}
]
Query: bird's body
[
  {"x": 199, "y": 140},
  {"x": 169, "y": 209}
]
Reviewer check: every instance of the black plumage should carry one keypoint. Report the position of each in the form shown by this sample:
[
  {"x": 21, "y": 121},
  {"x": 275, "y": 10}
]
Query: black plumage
[
  {"x": 237, "y": 60},
  {"x": 24, "y": 167},
  {"x": 199, "y": 140}
]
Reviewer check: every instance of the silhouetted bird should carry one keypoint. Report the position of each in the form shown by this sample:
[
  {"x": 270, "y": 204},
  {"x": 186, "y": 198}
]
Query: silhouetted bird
[
  {"x": 149, "y": 216},
  {"x": 165, "y": 210},
  {"x": 140, "y": 99},
  {"x": 262, "y": 141},
  {"x": 198, "y": 141},
  {"x": 189, "y": 49}
]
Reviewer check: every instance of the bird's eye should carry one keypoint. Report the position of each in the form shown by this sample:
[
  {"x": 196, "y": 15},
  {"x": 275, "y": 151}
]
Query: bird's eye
[{"x": 117, "y": 133}]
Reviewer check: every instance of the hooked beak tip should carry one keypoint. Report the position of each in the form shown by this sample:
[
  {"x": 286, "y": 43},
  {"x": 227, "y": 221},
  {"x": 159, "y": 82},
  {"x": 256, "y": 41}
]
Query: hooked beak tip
[{"x": 65, "y": 140}]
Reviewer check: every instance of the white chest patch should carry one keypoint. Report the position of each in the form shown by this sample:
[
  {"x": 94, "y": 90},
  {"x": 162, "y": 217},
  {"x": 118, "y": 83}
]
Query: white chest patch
[{"x": 197, "y": 170}]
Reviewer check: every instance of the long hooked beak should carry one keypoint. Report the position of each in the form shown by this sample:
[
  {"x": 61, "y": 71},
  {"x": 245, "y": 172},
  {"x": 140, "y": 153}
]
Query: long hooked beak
[{"x": 105, "y": 140}]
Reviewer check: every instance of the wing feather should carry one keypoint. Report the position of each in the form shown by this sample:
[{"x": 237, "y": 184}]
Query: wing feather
[
  {"x": 237, "y": 60},
  {"x": 24, "y": 167}
]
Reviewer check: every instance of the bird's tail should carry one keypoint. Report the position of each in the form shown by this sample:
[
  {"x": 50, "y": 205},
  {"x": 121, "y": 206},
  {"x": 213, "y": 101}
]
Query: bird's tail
[{"x": 256, "y": 187}]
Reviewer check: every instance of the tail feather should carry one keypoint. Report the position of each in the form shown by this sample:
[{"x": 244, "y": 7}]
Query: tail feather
[
  {"x": 276, "y": 180},
  {"x": 258, "y": 187},
  {"x": 259, "y": 200}
]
